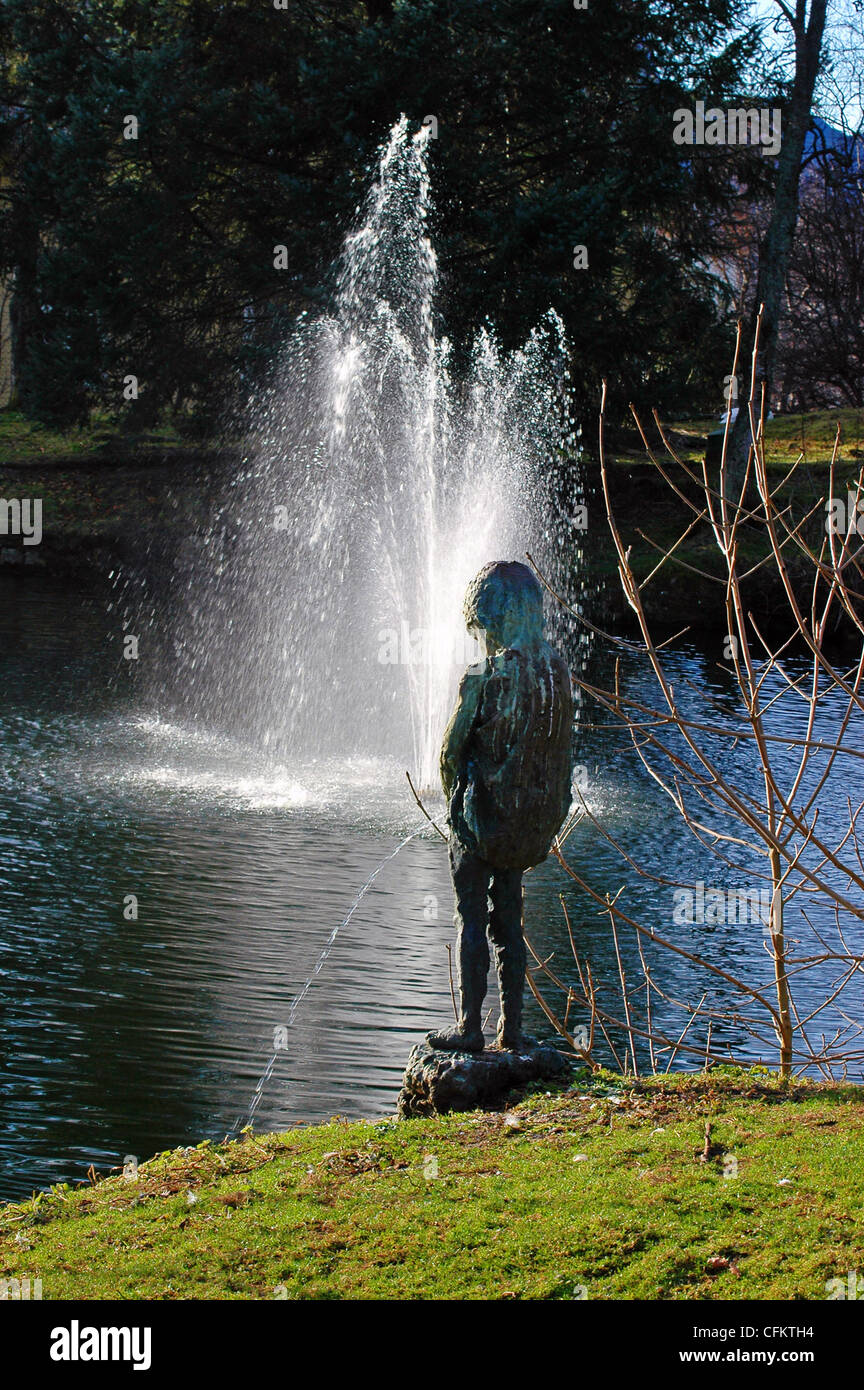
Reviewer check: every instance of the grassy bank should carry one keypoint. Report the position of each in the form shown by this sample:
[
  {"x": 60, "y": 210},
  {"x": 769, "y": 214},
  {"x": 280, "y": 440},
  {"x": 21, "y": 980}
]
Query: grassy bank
[
  {"x": 653, "y": 519},
  {"x": 105, "y": 495},
  {"x": 24, "y": 443},
  {"x": 608, "y": 1190},
  {"x": 810, "y": 434}
]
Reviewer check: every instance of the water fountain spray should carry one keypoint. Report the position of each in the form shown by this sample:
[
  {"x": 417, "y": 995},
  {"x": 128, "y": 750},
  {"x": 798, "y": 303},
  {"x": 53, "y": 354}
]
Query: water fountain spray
[{"x": 324, "y": 617}]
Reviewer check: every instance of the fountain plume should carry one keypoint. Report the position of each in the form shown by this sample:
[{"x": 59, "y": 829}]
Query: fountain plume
[{"x": 323, "y": 617}]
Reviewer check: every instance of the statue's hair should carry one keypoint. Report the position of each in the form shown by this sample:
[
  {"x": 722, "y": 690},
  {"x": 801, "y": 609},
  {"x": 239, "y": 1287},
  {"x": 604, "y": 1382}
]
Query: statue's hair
[{"x": 505, "y": 599}]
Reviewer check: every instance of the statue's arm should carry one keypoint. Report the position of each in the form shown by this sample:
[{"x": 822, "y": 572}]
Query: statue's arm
[{"x": 460, "y": 726}]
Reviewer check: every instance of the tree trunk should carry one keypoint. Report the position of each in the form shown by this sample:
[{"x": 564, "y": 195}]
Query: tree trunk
[
  {"x": 781, "y": 977},
  {"x": 776, "y": 248},
  {"x": 379, "y": 9}
]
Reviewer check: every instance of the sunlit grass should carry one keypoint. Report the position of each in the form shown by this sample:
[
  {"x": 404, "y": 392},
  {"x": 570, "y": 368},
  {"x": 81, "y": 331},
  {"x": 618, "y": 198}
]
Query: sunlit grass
[
  {"x": 809, "y": 435},
  {"x": 24, "y": 441},
  {"x": 602, "y": 1191}
]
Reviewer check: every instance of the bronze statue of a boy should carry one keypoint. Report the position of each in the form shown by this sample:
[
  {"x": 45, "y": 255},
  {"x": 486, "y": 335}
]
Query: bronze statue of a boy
[{"x": 506, "y": 766}]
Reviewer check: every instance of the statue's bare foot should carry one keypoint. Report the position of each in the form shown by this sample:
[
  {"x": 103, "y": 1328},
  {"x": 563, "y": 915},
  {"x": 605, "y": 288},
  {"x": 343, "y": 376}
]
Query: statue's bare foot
[
  {"x": 515, "y": 1042},
  {"x": 457, "y": 1041}
]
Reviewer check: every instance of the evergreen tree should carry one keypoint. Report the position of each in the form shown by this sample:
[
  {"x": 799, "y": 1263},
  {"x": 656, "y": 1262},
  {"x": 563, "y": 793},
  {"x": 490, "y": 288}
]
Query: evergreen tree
[{"x": 161, "y": 151}]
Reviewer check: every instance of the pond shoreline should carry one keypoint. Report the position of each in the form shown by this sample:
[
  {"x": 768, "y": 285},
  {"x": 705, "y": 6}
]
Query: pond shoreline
[
  {"x": 726, "y": 1185},
  {"x": 133, "y": 514},
  {"x": 113, "y": 502}
]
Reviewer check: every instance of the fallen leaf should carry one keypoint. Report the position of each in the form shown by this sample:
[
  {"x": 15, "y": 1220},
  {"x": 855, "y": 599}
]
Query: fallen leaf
[{"x": 234, "y": 1199}]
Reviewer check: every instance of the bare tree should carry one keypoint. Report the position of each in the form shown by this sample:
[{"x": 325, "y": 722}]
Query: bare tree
[
  {"x": 807, "y": 24},
  {"x": 821, "y": 354},
  {"x": 774, "y": 817}
]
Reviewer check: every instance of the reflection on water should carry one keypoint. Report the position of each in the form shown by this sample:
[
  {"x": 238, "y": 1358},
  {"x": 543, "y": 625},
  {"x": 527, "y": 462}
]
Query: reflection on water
[{"x": 126, "y": 1036}]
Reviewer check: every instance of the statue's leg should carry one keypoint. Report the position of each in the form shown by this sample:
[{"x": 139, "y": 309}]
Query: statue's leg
[
  {"x": 471, "y": 886},
  {"x": 505, "y": 929}
]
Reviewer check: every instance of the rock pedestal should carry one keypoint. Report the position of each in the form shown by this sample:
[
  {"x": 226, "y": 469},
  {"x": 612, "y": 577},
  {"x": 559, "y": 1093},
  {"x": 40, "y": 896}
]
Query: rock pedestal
[{"x": 436, "y": 1082}]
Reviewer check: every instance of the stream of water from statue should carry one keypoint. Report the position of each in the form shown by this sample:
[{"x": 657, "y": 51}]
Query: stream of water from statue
[{"x": 281, "y": 1031}]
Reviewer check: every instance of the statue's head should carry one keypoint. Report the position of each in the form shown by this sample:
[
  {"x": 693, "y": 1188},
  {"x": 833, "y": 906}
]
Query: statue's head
[{"x": 505, "y": 602}]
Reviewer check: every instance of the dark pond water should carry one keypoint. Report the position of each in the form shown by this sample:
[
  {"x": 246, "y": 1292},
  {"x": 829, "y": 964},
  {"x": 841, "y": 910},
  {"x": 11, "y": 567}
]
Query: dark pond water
[{"x": 124, "y": 1037}]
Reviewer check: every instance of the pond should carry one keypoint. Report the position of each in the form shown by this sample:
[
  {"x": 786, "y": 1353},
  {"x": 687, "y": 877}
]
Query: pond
[{"x": 166, "y": 892}]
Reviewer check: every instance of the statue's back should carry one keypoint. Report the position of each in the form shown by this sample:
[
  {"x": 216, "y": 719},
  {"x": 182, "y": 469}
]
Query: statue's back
[{"x": 516, "y": 790}]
